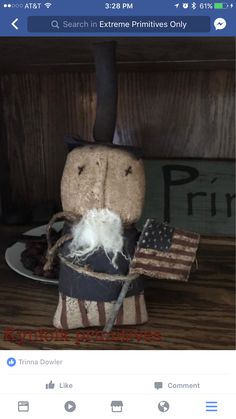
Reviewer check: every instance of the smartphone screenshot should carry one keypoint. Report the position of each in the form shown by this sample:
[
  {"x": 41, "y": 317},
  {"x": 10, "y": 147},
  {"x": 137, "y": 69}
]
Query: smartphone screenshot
[{"x": 117, "y": 209}]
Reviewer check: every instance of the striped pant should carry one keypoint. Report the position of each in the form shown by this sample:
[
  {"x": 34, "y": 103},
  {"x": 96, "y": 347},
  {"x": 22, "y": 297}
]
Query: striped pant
[{"x": 72, "y": 313}]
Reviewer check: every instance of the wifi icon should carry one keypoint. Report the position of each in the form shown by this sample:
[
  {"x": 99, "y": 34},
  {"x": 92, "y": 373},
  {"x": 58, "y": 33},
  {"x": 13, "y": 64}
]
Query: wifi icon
[{"x": 47, "y": 5}]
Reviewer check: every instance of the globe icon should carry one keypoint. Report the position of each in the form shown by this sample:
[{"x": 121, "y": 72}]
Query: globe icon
[{"x": 163, "y": 406}]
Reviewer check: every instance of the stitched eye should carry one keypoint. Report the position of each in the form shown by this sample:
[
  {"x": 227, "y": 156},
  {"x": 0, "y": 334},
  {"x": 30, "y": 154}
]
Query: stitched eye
[
  {"x": 128, "y": 171},
  {"x": 80, "y": 170}
]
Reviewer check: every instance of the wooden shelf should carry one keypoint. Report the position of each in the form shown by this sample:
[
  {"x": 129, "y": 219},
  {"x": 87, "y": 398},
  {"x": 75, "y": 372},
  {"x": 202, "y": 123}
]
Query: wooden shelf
[
  {"x": 194, "y": 315},
  {"x": 76, "y": 54}
]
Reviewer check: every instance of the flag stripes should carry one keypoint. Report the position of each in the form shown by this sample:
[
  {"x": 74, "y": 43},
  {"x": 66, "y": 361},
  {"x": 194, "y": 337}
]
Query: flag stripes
[{"x": 164, "y": 252}]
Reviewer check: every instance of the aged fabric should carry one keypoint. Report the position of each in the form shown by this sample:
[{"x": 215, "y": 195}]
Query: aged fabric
[{"x": 165, "y": 252}]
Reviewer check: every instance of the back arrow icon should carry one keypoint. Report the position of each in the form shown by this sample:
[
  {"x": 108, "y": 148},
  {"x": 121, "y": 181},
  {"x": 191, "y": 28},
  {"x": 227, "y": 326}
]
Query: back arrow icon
[{"x": 14, "y": 23}]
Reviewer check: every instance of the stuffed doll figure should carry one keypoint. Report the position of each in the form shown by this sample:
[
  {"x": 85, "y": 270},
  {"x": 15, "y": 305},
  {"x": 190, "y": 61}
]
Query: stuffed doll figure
[
  {"x": 102, "y": 194},
  {"x": 102, "y": 254}
]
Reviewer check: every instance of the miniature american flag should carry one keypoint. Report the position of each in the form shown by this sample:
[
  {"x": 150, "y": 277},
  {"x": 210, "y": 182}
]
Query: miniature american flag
[{"x": 164, "y": 252}]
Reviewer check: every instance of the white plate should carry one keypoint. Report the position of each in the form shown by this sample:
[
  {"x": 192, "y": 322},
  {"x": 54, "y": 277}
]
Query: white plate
[{"x": 13, "y": 255}]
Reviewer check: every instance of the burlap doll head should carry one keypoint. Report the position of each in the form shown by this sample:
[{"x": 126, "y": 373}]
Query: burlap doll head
[{"x": 103, "y": 177}]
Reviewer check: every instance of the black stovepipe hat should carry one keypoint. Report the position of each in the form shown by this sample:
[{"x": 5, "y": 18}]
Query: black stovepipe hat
[{"x": 107, "y": 95}]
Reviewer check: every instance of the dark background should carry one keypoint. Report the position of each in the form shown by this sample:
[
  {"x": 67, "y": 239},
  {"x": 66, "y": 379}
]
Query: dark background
[{"x": 176, "y": 99}]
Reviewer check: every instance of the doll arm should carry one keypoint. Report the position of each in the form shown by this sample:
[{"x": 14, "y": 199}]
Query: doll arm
[
  {"x": 51, "y": 251},
  {"x": 59, "y": 216}
]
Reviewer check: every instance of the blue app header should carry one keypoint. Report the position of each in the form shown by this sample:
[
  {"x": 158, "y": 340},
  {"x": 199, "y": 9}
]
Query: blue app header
[{"x": 124, "y": 18}]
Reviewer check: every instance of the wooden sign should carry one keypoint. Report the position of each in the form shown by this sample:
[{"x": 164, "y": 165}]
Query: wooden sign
[{"x": 198, "y": 195}]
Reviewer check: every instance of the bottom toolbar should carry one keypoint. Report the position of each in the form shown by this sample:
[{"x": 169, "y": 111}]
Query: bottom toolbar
[{"x": 124, "y": 406}]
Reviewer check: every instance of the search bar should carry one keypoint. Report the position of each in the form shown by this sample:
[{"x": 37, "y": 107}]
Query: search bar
[{"x": 122, "y": 24}]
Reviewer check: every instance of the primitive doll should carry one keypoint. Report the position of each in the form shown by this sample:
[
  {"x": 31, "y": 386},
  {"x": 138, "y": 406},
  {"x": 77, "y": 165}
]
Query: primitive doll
[
  {"x": 102, "y": 193},
  {"x": 102, "y": 254}
]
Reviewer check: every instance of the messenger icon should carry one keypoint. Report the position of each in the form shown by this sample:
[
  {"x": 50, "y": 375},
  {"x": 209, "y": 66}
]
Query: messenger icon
[{"x": 219, "y": 23}]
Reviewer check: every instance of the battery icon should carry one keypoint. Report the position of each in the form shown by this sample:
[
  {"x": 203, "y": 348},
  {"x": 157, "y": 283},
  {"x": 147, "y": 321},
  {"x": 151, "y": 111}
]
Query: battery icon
[{"x": 221, "y": 5}]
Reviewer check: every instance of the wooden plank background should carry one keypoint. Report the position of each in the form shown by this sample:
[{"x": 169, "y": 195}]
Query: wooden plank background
[
  {"x": 133, "y": 53},
  {"x": 170, "y": 114},
  {"x": 204, "y": 203},
  {"x": 47, "y": 89}
]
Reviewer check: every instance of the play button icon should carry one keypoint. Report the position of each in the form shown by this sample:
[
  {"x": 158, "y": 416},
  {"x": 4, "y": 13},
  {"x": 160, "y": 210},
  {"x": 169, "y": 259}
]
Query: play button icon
[{"x": 70, "y": 406}]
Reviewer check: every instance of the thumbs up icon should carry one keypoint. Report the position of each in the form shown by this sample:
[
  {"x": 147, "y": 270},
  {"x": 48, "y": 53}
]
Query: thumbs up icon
[{"x": 50, "y": 385}]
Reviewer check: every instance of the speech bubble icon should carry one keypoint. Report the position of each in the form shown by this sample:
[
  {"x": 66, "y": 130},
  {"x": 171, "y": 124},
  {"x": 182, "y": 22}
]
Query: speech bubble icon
[
  {"x": 219, "y": 23},
  {"x": 158, "y": 384}
]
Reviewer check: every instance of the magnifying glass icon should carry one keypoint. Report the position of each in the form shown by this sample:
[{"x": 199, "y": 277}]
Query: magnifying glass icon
[{"x": 55, "y": 24}]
